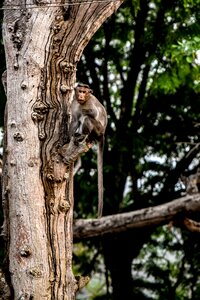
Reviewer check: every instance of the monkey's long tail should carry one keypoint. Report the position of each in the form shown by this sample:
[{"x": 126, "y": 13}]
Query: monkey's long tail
[{"x": 100, "y": 175}]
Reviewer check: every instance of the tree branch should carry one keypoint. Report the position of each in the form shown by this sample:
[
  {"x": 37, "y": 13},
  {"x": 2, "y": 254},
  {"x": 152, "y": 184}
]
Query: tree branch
[
  {"x": 151, "y": 216},
  {"x": 137, "y": 58},
  {"x": 174, "y": 174}
]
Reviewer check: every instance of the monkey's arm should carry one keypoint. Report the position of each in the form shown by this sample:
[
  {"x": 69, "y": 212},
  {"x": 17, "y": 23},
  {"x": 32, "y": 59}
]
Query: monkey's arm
[
  {"x": 73, "y": 126},
  {"x": 89, "y": 112}
]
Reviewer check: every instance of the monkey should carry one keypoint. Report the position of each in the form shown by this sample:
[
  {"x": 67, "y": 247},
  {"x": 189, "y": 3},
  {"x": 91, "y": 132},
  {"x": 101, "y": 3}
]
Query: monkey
[
  {"x": 89, "y": 121},
  {"x": 192, "y": 182}
]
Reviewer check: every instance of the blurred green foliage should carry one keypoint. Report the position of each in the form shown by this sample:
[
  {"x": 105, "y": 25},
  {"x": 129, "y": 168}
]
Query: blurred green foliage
[{"x": 143, "y": 64}]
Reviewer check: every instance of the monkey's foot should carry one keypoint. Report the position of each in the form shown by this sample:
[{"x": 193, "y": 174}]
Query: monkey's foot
[{"x": 70, "y": 152}]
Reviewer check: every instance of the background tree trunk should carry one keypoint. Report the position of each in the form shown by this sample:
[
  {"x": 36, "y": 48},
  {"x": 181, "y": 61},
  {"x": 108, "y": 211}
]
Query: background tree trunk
[{"x": 43, "y": 44}]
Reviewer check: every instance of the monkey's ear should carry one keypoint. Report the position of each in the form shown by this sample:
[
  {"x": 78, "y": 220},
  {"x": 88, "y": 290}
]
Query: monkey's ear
[{"x": 91, "y": 91}]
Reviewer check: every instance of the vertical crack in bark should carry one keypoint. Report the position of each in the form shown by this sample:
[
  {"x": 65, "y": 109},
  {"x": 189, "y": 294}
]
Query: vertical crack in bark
[
  {"x": 50, "y": 111},
  {"x": 24, "y": 30}
]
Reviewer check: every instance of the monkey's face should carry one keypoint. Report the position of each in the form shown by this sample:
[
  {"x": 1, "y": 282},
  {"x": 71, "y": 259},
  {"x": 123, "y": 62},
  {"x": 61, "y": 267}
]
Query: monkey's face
[{"x": 82, "y": 94}]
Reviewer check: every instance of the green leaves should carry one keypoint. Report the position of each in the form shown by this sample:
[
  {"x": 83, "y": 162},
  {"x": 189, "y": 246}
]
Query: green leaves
[{"x": 144, "y": 65}]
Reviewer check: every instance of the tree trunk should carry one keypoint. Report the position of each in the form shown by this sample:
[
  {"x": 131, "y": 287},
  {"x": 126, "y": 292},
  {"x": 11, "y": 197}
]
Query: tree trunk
[{"x": 43, "y": 44}]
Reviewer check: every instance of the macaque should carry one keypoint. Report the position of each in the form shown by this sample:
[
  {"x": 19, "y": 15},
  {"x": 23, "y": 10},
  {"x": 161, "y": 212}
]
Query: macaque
[
  {"x": 89, "y": 121},
  {"x": 192, "y": 182}
]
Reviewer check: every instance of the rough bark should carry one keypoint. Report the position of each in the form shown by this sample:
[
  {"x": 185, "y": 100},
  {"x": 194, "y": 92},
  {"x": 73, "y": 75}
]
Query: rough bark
[
  {"x": 43, "y": 44},
  {"x": 175, "y": 212}
]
